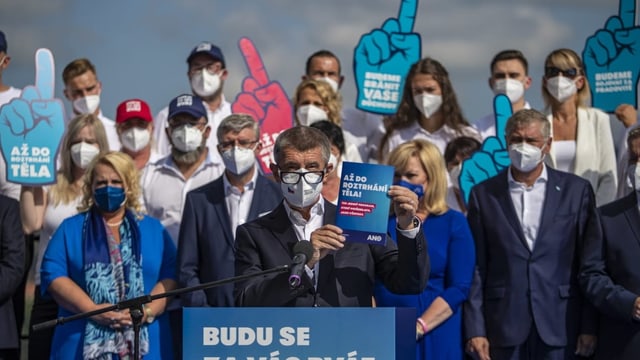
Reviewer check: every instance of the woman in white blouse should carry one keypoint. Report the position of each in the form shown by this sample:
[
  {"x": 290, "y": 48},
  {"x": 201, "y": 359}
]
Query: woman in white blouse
[{"x": 582, "y": 140}]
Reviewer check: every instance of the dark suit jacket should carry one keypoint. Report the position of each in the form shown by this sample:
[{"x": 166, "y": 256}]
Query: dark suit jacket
[
  {"x": 346, "y": 276},
  {"x": 515, "y": 287},
  {"x": 12, "y": 268},
  {"x": 610, "y": 278},
  {"x": 206, "y": 242}
]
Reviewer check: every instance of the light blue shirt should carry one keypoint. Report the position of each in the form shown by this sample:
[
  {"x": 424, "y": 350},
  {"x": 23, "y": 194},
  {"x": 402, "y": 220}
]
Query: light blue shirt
[{"x": 528, "y": 202}]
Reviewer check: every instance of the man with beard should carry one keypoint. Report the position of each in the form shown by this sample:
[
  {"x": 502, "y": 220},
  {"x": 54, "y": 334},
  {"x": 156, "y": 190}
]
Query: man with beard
[
  {"x": 207, "y": 74},
  {"x": 166, "y": 182},
  {"x": 189, "y": 166}
]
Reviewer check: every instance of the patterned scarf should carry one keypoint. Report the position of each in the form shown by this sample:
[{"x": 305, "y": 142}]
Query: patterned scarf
[{"x": 113, "y": 273}]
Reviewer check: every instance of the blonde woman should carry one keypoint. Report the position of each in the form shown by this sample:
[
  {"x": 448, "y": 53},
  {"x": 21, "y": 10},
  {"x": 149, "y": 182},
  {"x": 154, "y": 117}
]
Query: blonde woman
[
  {"x": 420, "y": 167},
  {"x": 95, "y": 260},
  {"x": 43, "y": 209},
  {"x": 582, "y": 140},
  {"x": 315, "y": 100}
]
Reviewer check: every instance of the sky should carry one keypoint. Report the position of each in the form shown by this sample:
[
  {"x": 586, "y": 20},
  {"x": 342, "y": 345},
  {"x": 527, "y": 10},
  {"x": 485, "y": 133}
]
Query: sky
[{"x": 140, "y": 47}]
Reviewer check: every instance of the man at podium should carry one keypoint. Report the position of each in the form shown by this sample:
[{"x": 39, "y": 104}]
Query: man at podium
[{"x": 338, "y": 273}]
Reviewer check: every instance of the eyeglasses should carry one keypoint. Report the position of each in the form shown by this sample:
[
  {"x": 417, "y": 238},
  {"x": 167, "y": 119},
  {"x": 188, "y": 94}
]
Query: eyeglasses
[
  {"x": 552, "y": 71},
  {"x": 212, "y": 68},
  {"x": 179, "y": 121},
  {"x": 293, "y": 177},
  {"x": 246, "y": 144}
]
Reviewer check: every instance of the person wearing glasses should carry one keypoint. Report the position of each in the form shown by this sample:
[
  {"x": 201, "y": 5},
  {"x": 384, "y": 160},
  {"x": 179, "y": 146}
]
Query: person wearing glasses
[
  {"x": 207, "y": 73},
  {"x": 339, "y": 273},
  {"x": 213, "y": 212},
  {"x": 582, "y": 139}
]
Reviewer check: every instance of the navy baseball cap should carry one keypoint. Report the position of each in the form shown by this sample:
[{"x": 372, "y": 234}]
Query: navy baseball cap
[
  {"x": 187, "y": 104},
  {"x": 3, "y": 42},
  {"x": 209, "y": 49}
]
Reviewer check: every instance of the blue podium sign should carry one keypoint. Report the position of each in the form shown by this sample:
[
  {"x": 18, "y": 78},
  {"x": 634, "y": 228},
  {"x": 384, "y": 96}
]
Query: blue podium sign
[{"x": 299, "y": 333}]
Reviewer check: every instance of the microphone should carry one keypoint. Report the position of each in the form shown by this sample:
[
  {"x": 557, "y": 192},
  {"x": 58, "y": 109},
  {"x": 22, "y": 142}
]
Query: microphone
[{"x": 303, "y": 251}]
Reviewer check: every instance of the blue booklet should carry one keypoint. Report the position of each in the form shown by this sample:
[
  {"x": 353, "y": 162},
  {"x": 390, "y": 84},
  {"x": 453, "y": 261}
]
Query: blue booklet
[{"x": 363, "y": 203}]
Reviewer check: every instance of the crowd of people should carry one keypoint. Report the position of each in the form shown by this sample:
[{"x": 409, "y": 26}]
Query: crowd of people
[{"x": 537, "y": 264}]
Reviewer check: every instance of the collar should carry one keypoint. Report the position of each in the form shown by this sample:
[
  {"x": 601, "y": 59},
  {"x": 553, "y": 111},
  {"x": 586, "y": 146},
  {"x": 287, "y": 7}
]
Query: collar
[
  {"x": 296, "y": 217},
  {"x": 230, "y": 189},
  {"x": 543, "y": 178}
]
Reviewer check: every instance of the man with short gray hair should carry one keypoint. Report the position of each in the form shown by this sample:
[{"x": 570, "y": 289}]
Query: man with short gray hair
[
  {"x": 529, "y": 225},
  {"x": 212, "y": 213}
]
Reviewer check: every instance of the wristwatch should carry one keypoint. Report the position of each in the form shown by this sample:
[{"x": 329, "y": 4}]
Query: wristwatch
[{"x": 149, "y": 313}]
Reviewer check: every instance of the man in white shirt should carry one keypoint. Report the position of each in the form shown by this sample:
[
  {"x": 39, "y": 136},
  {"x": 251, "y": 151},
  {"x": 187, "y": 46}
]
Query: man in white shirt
[
  {"x": 207, "y": 74},
  {"x": 82, "y": 88},
  {"x": 189, "y": 166},
  {"x": 213, "y": 212},
  {"x": 509, "y": 76},
  {"x": 7, "y": 93},
  {"x": 363, "y": 129},
  {"x": 529, "y": 224}
]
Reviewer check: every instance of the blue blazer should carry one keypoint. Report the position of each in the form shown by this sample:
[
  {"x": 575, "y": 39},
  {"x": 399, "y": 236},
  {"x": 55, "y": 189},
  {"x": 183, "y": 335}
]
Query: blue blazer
[
  {"x": 514, "y": 287},
  {"x": 12, "y": 268},
  {"x": 206, "y": 242},
  {"x": 346, "y": 276},
  {"x": 610, "y": 278}
]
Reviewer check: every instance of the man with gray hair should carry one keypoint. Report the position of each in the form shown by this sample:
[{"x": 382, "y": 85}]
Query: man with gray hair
[
  {"x": 213, "y": 212},
  {"x": 529, "y": 224}
]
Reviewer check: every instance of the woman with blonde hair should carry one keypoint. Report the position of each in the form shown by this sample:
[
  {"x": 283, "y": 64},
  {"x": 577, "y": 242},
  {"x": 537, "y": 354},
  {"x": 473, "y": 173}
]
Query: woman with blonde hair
[
  {"x": 419, "y": 166},
  {"x": 315, "y": 100},
  {"x": 42, "y": 208},
  {"x": 582, "y": 140},
  {"x": 95, "y": 260}
]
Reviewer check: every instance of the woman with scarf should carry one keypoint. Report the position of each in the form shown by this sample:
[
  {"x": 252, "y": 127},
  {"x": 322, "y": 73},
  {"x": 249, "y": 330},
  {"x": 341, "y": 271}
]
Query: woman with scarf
[{"x": 108, "y": 253}]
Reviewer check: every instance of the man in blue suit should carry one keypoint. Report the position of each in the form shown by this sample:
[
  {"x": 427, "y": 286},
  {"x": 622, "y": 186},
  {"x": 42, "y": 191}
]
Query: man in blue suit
[
  {"x": 212, "y": 213},
  {"x": 610, "y": 276},
  {"x": 529, "y": 224}
]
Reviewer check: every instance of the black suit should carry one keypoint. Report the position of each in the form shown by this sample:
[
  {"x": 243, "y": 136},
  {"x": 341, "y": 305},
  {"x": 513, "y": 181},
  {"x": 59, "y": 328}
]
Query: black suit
[
  {"x": 12, "y": 268},
  {"x": 610, "y": 278},
  {"x": 346, "y": 276},
  {"x": 206, "y": 242}
]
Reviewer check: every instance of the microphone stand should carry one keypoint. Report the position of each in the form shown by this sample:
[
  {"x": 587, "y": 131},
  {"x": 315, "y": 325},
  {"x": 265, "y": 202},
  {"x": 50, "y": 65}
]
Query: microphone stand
[{"x": 135, "y": 305}]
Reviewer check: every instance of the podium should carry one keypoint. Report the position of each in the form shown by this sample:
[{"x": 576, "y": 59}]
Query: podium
[{"x": 299, "y": 333}]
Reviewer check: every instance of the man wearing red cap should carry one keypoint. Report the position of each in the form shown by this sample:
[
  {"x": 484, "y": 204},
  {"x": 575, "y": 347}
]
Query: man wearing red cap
[{"x": 134, "y": 125}]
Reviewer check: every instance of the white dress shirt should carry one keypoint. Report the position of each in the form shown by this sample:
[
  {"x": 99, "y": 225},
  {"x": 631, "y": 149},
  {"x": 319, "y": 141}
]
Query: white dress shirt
[
  {"x": 238, "y": 203},
  {"x": 164, "y": 189},
  {"x": 529, "y": 202}
]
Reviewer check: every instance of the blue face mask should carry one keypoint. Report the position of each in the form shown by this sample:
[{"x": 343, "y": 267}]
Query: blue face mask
[
  {"x": 413, "y": 187},
  {"x": 109, "y": 198}
]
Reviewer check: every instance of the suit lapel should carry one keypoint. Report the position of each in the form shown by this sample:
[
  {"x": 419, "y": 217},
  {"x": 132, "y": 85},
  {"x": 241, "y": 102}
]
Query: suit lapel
[
  {"x": 255, "y": 202},
  {"x": 220, "y": 205},
  {"x": 506, "y": 204},
  {"x": 632, "y": 214},
  {"x": 281, "y": 228},
  {"x": 552, "y": 202}
]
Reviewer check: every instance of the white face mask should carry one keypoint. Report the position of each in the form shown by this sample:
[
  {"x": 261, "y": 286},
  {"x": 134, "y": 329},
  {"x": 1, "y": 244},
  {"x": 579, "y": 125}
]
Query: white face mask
[
  {"x": 238, "y": 160},
  {"x": 82, "y": 153},
  {"x": 301, "y": 195},
  {"x": 561, "y": 88},
  {"x": 525, "y": 157},
  {"x": 334, "y": 84},
  {"x": 454, "y": 174},
  {"x": 513, "y": 88},
  {"x": 86, "y": 105},
  {"x": 308, "y": 114},
  {"x": 186, "y": 138},
  {"x": 135, "y": 139},
  {"x": 428, "y": 104},
  {"x": 204, "y": 83}
]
